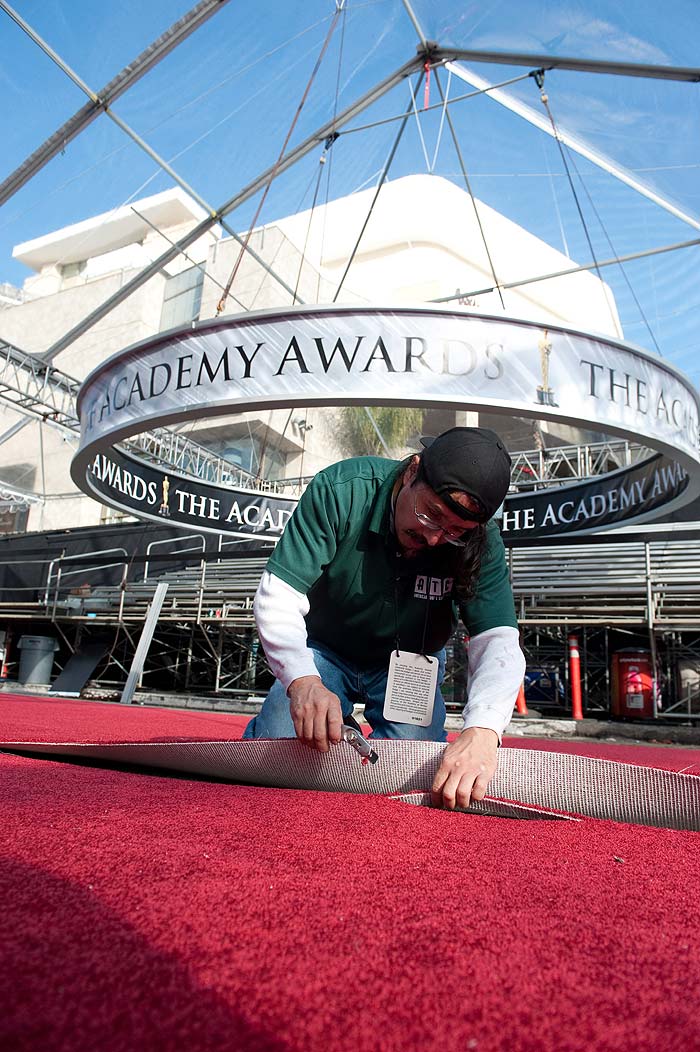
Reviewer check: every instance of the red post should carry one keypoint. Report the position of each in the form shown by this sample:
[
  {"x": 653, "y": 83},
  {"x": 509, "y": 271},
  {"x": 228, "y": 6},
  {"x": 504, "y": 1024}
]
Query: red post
[
  {"x": 426, "y": 89},
  {"x": 575, "y": 678},
  {"x": 5, "y": 654},
  {"x": 520, "y": 704}
]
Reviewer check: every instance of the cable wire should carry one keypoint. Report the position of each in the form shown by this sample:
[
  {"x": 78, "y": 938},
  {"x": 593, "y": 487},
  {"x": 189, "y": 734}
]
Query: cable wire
[
  {"x": 341, "y": 52},
  {"x": 273, "y": 173},
  {"x": 545, "y": 102},
  {"x": 544, "y": 99},
  {"x": 617, "y": 256},
  {"x": 385, "y": 172},
  {"x": 538, "y": 77},
  {"x": 441, "y": 126},
  {"x": 321, "y": 162},
  {"x": 277, "y": 251},
  {"x": 437, "y": 105},
  {"x": 468, "y": 184}
]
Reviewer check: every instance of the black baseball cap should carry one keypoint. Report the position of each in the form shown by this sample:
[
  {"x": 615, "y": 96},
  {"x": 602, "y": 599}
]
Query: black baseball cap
[{"x": 472, "y": 460}]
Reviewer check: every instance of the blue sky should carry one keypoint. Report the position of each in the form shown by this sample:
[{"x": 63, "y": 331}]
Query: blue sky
[{"x": 220, "y": 106}]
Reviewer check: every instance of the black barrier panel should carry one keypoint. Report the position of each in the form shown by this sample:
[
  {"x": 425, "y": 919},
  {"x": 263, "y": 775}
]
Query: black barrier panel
[
  {"x": 605, "y": 500},
  {"x": 601, "y": 501},
  {"x": 152, "y": 493}
]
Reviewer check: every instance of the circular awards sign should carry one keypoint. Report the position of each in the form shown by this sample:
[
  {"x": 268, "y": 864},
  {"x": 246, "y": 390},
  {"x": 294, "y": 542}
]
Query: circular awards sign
[{"x": 329, "y": 356}]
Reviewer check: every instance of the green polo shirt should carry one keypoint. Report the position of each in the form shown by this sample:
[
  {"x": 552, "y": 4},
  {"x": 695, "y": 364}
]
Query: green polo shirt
[{"x": 338, "y": 549}]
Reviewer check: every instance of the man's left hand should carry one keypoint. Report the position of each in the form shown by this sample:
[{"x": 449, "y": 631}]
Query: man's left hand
[{"x": 468, "y": 765}]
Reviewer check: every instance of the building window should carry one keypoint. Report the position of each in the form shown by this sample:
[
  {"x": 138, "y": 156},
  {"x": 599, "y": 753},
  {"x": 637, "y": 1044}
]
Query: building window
[
  {"x": 252, "y": 455},
  {"x": 110, "y": 516},
  {"x": 182, "y": 298},
  {"x": 13, "y": 519},
  {"x": 72, "y": 271}
]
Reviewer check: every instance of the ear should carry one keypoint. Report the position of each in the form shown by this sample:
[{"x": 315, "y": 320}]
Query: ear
[{"x": 411, "y": 471}]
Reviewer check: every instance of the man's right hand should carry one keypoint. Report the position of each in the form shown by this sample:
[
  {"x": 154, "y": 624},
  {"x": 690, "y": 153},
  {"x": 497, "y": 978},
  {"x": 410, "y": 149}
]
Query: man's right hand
[{"x": 316, "y": 713}]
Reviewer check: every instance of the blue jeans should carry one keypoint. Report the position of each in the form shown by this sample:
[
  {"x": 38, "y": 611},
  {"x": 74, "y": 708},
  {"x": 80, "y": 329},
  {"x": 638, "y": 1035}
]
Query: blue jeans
[{"x": 353, "y": 685}]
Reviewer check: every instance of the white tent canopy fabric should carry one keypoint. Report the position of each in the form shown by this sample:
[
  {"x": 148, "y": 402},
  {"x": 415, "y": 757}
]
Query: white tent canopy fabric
[{"x": 614, "y": 176}]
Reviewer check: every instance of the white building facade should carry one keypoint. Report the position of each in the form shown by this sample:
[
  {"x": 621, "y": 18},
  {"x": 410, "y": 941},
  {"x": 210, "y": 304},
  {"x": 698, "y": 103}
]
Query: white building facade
[{"x": 424, "y": 242}]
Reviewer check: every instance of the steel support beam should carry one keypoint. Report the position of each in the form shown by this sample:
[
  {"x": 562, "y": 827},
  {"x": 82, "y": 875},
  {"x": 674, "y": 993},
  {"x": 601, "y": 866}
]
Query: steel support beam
[
  {"x": 134, "y": 136},
  {"x": 144, "y": 643},
  {"x": 310, "y": 143},
  {"x": 626, "y": 258},
  {"x": 536, "y": 61},
  {"x": 580, "y": 146},
  {"x": 124, "y": 80}
]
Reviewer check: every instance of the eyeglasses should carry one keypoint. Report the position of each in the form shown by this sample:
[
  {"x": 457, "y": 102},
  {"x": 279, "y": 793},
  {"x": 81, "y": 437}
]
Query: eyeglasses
[{"x": 455, "y": 537}]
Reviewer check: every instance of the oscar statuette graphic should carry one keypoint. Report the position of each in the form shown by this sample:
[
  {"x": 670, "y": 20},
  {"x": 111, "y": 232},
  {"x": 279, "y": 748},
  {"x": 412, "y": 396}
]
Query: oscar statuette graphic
[
  {"x": 164, "y": 508},
  {"x": 545, "y": 394}
]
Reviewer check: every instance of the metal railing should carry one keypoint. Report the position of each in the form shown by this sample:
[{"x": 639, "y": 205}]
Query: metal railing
[
  {"x": 653, "y": 586},
  {"x": 655, "y": 583},
  {"x": 199, "y": 547},
  {"x": 689, "y": 701},
  {"x": 82, "y": 571}
]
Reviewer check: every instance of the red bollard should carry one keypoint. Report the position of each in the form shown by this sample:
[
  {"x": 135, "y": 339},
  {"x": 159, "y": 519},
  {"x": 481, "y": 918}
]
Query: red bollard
[
  {"x": 520, "y": 703},
  {"x": 575, "y": 678}
]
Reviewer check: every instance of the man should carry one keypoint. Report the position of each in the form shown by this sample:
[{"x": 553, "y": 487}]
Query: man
[{"x": 361, "y": 594}]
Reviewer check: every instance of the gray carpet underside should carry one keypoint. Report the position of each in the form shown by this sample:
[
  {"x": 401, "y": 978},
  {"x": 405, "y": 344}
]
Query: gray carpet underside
[{"x": 547, "y": 780}]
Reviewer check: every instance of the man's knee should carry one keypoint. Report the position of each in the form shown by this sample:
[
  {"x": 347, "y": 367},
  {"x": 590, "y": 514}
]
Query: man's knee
[{"x": 274, "y": 719}]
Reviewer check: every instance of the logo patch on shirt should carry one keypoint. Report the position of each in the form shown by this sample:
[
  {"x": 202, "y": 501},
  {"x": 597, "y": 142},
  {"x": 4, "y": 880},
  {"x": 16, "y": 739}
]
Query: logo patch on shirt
[{"x": 432, "y": 587}]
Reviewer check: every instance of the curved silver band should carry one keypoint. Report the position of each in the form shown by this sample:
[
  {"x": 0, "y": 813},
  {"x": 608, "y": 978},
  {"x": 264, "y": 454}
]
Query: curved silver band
[{"x": 326, "y": 356}]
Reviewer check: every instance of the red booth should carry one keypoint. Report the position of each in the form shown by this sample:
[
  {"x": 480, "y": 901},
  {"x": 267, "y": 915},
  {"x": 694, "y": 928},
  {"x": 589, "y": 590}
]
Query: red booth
[{"x": 632, "y": 684}]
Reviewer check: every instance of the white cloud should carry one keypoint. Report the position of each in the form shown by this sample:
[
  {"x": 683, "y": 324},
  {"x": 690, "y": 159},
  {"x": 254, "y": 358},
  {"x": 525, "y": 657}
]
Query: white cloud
[
  {"x": 567, "y": 32},
  {"x": 618, "y": 44}
]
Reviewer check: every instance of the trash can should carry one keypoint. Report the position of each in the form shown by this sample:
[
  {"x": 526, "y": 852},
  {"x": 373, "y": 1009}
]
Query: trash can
[
  {"x": 632, "y": 684},
  {"x": 36, "y": 659}
]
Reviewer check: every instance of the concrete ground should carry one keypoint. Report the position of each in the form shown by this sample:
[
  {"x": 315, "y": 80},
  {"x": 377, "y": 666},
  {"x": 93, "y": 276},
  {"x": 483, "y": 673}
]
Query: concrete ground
[{"x": 660, "y": 732}]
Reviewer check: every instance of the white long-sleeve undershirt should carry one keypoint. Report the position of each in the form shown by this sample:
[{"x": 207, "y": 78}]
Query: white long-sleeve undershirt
[
  {"x": 496, "y": 670},
  {"x": 496, "y": 662},
  {"x": 279, "y": 614}
]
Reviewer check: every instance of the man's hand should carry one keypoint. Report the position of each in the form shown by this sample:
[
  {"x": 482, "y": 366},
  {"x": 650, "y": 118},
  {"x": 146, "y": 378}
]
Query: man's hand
[
  {"x": 468, "y": 765},
  {"x": 316, "y": 713}
]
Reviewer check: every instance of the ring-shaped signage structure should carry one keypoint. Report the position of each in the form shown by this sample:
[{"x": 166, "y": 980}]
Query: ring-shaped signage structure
[{"x": 432, "y": 357}]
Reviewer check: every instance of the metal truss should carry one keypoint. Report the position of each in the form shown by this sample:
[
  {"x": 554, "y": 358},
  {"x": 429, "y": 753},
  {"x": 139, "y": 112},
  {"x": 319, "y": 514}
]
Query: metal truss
[
  {"x": 12, "y": 499},
  {"x": 178, "y": 452},
  {"x": 217, "y": 660},
  {"x": 205, "y": 642},
  {"x": 547, "y": 679},
  {"x": 205, "y": 660},
  {"x": 101, "y": 100},
  {"x": 35, "y": 388},
  {"x": 546, "y": 648},
  {"x": 566, "y": 463}
]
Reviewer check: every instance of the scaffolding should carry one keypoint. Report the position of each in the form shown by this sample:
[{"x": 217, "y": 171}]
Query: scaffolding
[{"x": 641, "y": 593}]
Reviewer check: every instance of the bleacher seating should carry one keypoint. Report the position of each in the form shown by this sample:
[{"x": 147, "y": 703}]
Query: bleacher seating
[
  {"x": 624, "y": 583},
  {"x": 657, "y": 582}
]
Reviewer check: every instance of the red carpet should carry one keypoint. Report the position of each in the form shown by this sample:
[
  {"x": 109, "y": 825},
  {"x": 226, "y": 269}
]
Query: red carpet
[{"x": 152, "y": 912}]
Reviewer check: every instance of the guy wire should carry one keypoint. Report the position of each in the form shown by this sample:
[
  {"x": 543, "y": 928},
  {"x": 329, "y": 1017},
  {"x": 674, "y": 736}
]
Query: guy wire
[{"x": 273, "y": 173}]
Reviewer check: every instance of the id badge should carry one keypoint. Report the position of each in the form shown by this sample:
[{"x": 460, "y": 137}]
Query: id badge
[{"x": 410, "y": 688}]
